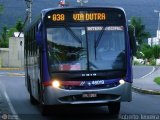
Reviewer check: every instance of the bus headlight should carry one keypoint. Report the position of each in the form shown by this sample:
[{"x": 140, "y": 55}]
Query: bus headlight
[
  {"x": 56, "y": 84},
  {"x": 121, "y": 81}
]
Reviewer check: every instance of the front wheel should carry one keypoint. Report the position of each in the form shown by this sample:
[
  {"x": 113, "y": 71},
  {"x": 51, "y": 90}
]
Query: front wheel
[
  {"x": 43, "y": 109},
  {"x": 33, "y": 100},
  {"x": 114, "y": 108}
]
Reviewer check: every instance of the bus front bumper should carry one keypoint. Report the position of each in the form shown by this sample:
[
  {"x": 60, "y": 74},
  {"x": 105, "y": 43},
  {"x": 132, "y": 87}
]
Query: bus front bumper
[{"x": 57, "y": 96}]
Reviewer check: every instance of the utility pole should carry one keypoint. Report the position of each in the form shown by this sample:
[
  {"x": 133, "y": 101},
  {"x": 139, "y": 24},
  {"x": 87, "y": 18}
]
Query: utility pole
[
  {"x": 82, "y": 2},
  {"x": 29, "y": 10},
  {"x": 158, "y": 29}
]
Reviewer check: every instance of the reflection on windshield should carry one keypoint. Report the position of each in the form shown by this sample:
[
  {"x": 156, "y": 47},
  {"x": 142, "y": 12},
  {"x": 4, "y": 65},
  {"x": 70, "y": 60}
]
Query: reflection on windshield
[
  {"x": 108, "y": 52},
  {"x": 68, "y": 48}
]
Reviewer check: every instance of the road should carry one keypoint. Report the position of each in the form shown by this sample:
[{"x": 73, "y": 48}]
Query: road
[{"x": 19, "y": 97}]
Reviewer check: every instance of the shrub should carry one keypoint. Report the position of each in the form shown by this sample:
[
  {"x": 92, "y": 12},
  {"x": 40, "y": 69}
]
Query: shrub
[{"x": 157, "y": 80}]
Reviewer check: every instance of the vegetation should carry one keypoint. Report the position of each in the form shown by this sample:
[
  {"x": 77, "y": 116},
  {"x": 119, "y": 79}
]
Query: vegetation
[
  {"x": 19, "y": 25},
  {"x": 136, "y": 63},
  {"x": 1, "y": 8},
  {"x": 152, "y": 62},
  {"x": 156, "y": 51},
  {"x": 144, "y": 51},
  {"x": 157, "y": 80},
  {"x": 147, "y": 51},
  {"x": 6, "y": 33},
  {"x": 140, "y": 32},
  {"x": 150, "y": 51},
  {"x": 4, "y": 38}
]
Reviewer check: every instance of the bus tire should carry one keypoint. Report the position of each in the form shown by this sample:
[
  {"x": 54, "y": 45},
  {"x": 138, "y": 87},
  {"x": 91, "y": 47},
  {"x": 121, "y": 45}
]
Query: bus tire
[
  {"x": 114, "y": 108},
  {"x": 44, "y": 110},
  {"x": 33, "y": 101}
]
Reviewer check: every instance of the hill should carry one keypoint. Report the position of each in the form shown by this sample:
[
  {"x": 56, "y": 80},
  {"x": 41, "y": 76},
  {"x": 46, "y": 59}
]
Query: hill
[{"x": 14, "y": 9}]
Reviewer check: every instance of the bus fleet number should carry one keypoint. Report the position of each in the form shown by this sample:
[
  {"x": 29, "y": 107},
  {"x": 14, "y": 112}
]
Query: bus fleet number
[{"x": 98, "y": 82}]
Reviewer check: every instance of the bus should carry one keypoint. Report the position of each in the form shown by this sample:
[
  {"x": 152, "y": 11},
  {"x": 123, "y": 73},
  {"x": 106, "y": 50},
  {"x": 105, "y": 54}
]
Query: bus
[{"x": 79, "y": 56}]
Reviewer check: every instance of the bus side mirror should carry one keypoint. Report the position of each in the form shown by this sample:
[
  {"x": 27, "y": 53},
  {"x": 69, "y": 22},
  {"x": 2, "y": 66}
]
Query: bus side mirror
[
  {"x": 132, "y": 38},
  {"x": 39, "y": 38}
]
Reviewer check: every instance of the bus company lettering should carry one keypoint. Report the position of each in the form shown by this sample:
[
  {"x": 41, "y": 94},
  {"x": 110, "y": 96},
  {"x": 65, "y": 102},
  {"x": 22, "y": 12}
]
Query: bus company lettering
[{"x": 89, "y": 16}]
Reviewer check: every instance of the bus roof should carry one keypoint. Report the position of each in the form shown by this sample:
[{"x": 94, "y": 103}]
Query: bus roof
[{"x": 44, "y": 11}]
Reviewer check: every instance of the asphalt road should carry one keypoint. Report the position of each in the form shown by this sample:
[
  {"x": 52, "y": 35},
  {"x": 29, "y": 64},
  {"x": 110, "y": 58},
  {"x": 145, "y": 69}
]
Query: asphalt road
[
  {"x": 141, "y": 104},
  {"x": 140, "y": 71}
]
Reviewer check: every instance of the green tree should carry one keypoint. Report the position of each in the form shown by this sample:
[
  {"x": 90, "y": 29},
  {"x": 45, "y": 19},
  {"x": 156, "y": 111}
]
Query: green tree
[
  {"x": 19, "y": 25},
  {"x": 156, "y": 51},
  {"x": 140, "y": 32},
  {"x": 147, "y": 51},
  {"x": 1, "y": 8},
  {"x": 4, "y": 33},
  {"x": 4, "y": 37},
  {"x": 11, "y": 31}
]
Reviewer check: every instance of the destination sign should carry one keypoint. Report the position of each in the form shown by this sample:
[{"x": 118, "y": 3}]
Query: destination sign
[
  {"x": 110, "y": 16},
  {"x": 78, "y": 17},
  {"x": 89, "y": 16}
]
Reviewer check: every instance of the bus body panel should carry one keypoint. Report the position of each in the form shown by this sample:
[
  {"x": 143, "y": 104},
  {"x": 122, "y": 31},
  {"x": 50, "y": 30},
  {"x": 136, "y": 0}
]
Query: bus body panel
[
  {"x": 32, "y": 77},
  {"x": 52, "y": 96}
]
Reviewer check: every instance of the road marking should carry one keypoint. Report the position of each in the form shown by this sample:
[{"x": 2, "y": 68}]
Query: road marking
[
  {"x": 9, "y": 102},
  {"x": 148, "y": 73}
]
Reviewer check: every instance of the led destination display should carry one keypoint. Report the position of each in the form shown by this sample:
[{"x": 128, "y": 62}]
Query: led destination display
[{"x": 94, "y": 16}]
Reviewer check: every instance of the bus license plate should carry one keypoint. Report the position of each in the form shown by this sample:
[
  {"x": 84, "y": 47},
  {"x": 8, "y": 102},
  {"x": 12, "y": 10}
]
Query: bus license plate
[{"x": 89, "y": 95}]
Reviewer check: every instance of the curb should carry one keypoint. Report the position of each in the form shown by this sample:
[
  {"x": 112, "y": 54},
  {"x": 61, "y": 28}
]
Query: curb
[
  {"x": 11, "y": 68},
  {"x": 145, "y": 91},
  {"x": 15, "y": 74}
]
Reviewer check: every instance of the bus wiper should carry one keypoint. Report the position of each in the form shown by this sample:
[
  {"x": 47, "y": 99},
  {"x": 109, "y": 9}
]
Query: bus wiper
[
  {"x": 95, "y": 46},
  {"x": 96, "y": 41},
  {"x": 100, "y": 36},
  {"x": 73, "y": 34}
]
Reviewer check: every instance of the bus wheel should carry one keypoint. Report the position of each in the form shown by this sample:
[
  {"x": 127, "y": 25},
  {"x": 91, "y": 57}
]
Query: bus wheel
[
  {"x": 114, "y": 108},
  {"x": 44, "y": 110},
  {"x": 33, "y": 100}
]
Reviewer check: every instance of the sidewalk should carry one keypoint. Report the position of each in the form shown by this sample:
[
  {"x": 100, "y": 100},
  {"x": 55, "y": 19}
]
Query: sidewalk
[{"x": 146, "y": 84}]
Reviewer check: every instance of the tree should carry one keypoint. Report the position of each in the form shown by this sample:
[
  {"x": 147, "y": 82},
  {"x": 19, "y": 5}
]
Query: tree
[
  {"x": 140, "y": 32},
  {"x": 4, "y": 37},
  {"x": 11, "y": 31},
  {"x": 150, "y": 52},
  {"x": 156, "y": 51},
  {"x": 1, "y": 8},
  {"x": 19, "y": 25},
  {"x": 4, "y": 33},
  {"x": 147, "y": 51}
]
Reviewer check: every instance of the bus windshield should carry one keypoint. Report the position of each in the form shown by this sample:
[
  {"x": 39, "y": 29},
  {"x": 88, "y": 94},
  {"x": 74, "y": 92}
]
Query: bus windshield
[{"x": 86, "y": 48}]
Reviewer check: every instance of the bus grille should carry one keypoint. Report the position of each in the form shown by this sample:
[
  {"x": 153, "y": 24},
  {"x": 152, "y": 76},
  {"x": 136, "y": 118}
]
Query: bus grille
[{"x": 111, "y": 85}]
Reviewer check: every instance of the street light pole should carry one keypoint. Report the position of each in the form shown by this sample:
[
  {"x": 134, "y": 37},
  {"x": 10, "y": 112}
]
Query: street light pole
[{"x": 158, "y": 30}]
